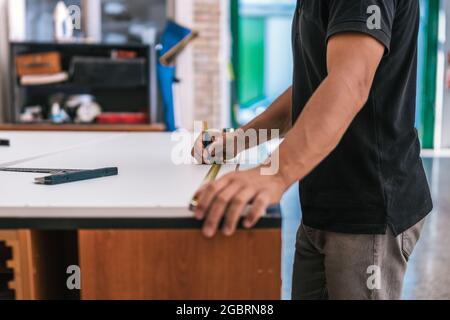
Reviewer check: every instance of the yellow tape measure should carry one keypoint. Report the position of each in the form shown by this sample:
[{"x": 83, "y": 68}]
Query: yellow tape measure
[{"x": 211, "y": 176}]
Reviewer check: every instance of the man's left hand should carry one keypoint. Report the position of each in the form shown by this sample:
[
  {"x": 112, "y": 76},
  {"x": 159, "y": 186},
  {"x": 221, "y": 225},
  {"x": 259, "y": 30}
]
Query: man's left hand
[{"x": 228, "y": 197}]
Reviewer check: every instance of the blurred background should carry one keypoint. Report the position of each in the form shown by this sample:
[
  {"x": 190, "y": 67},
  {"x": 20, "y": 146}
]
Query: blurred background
[{"x": 162, "y": 64}]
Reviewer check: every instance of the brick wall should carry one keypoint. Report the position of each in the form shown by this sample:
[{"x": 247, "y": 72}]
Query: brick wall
[
  {"x": 4, "y": 60},
  {"x": 208, "y": 55}
]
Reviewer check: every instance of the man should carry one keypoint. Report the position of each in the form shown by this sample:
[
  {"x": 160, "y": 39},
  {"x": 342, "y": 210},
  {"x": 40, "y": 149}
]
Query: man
[{"x": 348, "y": 121}]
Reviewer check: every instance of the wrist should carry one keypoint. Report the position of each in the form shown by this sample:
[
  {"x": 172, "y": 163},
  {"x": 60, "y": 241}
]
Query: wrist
[{"x": 287, "y": 174}]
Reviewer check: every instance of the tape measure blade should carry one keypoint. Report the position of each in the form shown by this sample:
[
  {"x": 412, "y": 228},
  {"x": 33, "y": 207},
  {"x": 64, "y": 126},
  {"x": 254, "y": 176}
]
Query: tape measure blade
[
  {"x": 210, "y": 177},
  {"x": 213, "y": 173}
]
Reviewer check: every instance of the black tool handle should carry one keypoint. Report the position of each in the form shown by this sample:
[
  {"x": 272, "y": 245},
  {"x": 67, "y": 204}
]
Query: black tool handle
[
  {"x": 78, "y": 176},
  {"x": 4, "y": 143}
]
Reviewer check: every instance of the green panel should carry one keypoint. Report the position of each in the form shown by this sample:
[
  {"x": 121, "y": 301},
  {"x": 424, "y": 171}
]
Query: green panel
[
  {"x": 234, "y": 24},
  {"x": 251, "y": 59},
  {"x": 429, "y": 47}
]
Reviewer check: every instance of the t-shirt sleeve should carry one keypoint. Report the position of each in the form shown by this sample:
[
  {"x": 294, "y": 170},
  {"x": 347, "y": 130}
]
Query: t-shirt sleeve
[{"x": 372, "y": 17}]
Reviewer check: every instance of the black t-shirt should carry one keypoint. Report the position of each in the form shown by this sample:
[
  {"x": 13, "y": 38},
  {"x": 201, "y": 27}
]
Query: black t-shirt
[{"x": 375, "y": 177}]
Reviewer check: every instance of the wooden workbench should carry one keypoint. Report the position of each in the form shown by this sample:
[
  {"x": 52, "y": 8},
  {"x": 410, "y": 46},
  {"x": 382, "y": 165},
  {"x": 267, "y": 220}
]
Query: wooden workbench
[{"x": 132, "y": 235}]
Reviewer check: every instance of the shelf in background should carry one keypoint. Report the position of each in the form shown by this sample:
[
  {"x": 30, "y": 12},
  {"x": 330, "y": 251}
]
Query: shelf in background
[
  {"x": 118, "y": 97},
  {"x": 81, "y": 127},
  {"x": 80, "y": 87}
]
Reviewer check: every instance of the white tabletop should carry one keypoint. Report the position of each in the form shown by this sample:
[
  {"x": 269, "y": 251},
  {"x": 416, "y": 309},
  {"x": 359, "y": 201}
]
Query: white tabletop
[
  {"x": 149, "y": 184},
  {"x": 26, "y": 145}
]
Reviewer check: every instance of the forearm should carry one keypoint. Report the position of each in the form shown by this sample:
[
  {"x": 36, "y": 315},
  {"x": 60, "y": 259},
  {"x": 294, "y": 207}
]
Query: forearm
[
  {"x": 320, "y": 128},
  {"x": 277, "y": 117}
]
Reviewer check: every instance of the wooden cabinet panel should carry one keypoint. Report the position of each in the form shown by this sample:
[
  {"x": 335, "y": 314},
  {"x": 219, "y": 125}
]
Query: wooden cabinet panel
[
  {"x": 180, "y": 264},
  {"x": 33, "y": 264}
]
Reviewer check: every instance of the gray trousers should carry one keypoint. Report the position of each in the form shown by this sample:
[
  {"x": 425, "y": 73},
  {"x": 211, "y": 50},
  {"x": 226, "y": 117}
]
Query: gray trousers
[{"x": 340, "y": 266}]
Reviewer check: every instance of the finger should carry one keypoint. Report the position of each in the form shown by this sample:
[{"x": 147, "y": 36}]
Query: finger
[
  {"x": 208, "y": 156},
  {"x": 198, "y": 194},
  {"x": 199, "y": 156},
  {"x": 206, "y": 194},
  {"x": 218, "y": 208},
  {"x": 197, "y": 150},
  {"x": 258, "y": 209},
  {"x": 198, "y": 207},
  {"x": 216, "y": 152},
  {"x": 235, "y": 210},
  {"x": 205, "y": 139}
]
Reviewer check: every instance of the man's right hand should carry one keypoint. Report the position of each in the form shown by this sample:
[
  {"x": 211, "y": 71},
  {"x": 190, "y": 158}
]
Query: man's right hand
[{"x": 216, "y": 147}]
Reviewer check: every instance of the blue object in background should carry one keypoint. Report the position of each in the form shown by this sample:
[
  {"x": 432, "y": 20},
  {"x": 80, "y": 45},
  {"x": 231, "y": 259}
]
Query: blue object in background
[
  {"x": 421, "y": 62},
  {"x": 166, "y": 78},
  {"x": 172, "y": 36}
]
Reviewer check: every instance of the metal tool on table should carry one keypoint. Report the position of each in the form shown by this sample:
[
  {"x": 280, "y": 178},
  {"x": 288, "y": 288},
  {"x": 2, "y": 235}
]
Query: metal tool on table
[{"x": 60, "y": 176}]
